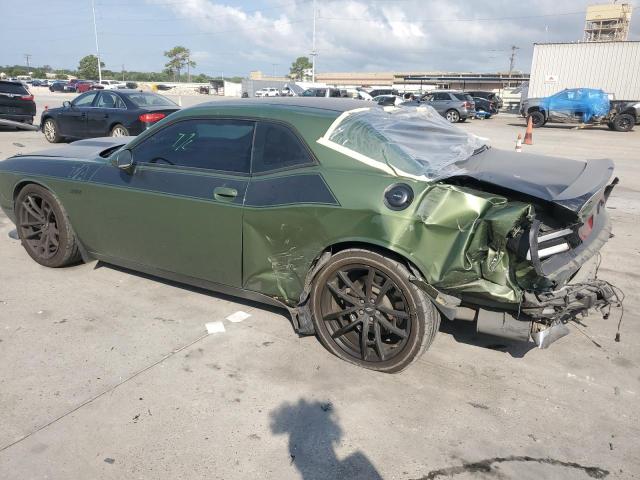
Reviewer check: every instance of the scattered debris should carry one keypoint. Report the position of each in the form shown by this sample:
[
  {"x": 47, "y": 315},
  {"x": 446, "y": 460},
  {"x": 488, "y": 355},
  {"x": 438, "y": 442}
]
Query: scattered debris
[
  {"x": 215, "y": 327},
  {"x": 478, "y": 405},
  {"x": 266, "y": 344},
  {"x": 18, "y": 144},
  {"x": 326, "y": 407},
  {"x": 136, "y": 417},
  {"x": 238, "y": 316},
  {"x": 110, "y": 461}
]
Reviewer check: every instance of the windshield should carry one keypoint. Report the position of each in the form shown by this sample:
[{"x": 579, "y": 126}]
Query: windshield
[
  {"x": 414, "y": 141},
  {"x": 144, "y": 99}
]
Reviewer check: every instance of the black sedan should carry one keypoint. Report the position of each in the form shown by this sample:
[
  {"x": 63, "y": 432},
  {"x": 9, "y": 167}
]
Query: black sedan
[{"x": 101, "y": 113}]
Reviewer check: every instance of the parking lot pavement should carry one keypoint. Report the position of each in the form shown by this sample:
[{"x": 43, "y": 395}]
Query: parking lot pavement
[{"x": 109, "y": 374}]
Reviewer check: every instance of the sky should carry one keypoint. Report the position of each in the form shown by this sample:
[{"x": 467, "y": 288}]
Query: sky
[{"x": 234, "y": 37}]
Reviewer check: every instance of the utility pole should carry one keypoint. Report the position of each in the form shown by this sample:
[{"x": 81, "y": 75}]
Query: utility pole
[
  {"x": 123, "y": 72},
  {"x": 313, "y": 46},
  {"x": 95, "y": 32},
  {"x": 512, "y": 58},
  {"x": 27, "y": 56},
  {"x": 188, "y": 68}
]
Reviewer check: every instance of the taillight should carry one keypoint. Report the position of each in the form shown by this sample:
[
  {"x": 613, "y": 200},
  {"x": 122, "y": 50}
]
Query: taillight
[
  {"x": 585, "y": 230},
  {"x": 467, "y": 105},
  {"x": 151, "y": 117},
  {"x": 28, "y": 98}
]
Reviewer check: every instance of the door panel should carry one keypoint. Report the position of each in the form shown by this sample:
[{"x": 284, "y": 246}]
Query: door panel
[
  {"x": 167, "y": 219},
  {"x": 180, "y": 210}
]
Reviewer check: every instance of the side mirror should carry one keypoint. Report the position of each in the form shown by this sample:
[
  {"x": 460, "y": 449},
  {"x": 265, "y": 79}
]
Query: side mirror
[
  {"x": 66, "y": 104},
  {"x": 124, "y": 160}
]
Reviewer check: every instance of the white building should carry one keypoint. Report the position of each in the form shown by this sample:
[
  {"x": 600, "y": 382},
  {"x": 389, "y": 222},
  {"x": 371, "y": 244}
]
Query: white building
[{"x": 611, "y": 66}]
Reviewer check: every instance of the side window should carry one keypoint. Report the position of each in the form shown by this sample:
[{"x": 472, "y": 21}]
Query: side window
[
  {"x": 216, "y": 144},
  {"x": 335, "y": 93},
  {"x": 278, "y": 147},
  {"x": 321, "y": 92},
  {"x": 441, "y": 96},
  {"x": 110, "y": 100},
  {"x": 85, "y": 100}
]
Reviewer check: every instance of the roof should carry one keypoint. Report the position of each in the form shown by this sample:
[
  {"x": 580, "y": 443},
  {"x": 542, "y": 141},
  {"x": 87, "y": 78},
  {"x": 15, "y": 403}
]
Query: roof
[{"x": 332, "y": 104}]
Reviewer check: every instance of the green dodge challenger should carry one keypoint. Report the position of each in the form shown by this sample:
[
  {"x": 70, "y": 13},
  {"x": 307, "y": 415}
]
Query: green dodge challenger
[{"x": 368, "y": 224}]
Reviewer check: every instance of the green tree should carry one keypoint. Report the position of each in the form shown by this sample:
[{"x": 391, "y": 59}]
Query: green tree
[
  {"x": 296, "y": 72},
  {"x": 88, "y": 67},
  {"x": 179, "y": 58}
]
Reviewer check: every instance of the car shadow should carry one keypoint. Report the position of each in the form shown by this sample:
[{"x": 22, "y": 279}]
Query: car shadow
[
  {"x": 191, "y": 288},
  {"x": 464, "y": 331},
  {"x": 314, "y": 431}
]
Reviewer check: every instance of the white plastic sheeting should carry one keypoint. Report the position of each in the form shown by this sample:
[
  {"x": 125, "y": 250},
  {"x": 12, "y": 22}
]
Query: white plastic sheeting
[{"x": 407, "y": 141}]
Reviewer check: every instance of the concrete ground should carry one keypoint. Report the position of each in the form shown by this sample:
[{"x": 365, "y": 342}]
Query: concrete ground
[{"x": 109, "y": 374}]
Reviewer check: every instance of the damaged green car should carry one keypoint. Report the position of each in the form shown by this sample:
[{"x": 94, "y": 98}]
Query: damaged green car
[{"x": 367, "y": 224}]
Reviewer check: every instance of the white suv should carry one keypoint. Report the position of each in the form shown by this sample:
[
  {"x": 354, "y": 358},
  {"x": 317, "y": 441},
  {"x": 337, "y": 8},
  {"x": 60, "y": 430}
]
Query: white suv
[
  {"x": 268, "y": 92},
  {"x": 111, "y": 84}
]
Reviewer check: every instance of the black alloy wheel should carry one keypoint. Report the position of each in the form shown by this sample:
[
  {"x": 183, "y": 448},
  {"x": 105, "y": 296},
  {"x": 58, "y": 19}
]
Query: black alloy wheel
[
  {"x": 44, "y": 229},
  {"x": 367, "y": 312}
]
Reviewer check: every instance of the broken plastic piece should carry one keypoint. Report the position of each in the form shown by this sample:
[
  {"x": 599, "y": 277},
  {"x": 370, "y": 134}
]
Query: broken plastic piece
[
  {"x": 215, "y": 327},
  {"x": 238, "y": 316}
]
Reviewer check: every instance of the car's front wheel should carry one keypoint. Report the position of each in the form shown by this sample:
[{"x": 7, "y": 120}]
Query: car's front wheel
[
  {"x": 50, "y": 130},
  {"x": 452, "y": 116},
  {"x": 44, "y": 229},
  {"x": 537, "y": 119},
  {"x": 367, "y": 312}
]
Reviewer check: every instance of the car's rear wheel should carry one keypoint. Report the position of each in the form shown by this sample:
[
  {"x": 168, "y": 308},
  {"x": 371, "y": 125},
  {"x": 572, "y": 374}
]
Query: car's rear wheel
[
  {"x": 119, "y": 131},
  {"x": 623, "y": 122},
  {"x": 537, "y": 119},
  {"x": 44, "y": 229},
  {"x": 452, "y": 116},
  {"x": 367, "y": 312},
  {"x": 50, "y": 130}
]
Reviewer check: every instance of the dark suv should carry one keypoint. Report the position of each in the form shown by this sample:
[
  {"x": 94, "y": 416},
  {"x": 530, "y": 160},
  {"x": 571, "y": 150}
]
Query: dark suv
[
  {"x": 16, "y": 102},
  {"x": 491, "y": 96}
]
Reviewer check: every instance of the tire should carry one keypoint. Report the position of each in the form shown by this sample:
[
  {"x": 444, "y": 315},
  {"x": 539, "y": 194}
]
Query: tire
[
  {"x": 51, "y": 132},
  {"x": 452, "y": 116},
  {"x": 462, "y": 120},
  {"x": 343, "y": 302},
  {"x": 44, "y": 229},
  {"x": 119, "y": 130},
  {"x": 537, "y": 119},
  {"x": 623, "y": 122}
]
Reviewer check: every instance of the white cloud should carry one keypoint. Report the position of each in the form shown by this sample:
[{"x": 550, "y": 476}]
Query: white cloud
[{"x": 461, "y": 35}]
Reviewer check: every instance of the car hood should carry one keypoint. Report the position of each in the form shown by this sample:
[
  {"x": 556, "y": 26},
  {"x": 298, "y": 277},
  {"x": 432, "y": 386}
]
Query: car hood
[
  {"x": 567, "y": 183},
  {"x": 83, "y": 149}
]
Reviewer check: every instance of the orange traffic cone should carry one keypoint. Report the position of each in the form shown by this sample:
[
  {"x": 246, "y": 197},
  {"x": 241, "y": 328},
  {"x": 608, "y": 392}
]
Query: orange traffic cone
[
  {"x": 528, "y": 137},
  {"x": 519, "y": 143}
]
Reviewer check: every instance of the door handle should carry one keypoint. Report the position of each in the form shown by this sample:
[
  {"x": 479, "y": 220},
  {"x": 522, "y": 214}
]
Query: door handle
[{"x": 224, "y": 193}]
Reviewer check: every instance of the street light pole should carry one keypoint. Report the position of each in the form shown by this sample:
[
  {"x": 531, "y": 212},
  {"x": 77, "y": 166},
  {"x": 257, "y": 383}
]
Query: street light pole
[
  {"x": 95, "y": 32},
  {"x": 313, "y": 50}
]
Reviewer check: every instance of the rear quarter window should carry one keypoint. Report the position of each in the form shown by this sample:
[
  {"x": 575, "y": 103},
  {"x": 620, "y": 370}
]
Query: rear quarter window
[{"x": 14, "y": 88}]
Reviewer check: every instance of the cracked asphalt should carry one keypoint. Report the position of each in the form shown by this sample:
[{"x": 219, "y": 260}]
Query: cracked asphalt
[{"x": 105, "y": 373}]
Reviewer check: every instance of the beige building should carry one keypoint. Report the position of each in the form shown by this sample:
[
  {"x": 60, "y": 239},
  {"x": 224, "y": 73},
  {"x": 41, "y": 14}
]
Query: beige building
[{"x": 416, "y": 79}]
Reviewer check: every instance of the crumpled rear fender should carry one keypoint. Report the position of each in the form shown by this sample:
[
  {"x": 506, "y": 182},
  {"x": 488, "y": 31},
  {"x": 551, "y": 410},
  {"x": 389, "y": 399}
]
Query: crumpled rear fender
[{"x": 456, "y": 238}]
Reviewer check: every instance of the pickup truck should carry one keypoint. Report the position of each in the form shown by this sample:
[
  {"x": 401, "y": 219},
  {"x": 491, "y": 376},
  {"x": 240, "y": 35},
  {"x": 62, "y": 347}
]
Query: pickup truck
[{"x": 582, "y": 106}]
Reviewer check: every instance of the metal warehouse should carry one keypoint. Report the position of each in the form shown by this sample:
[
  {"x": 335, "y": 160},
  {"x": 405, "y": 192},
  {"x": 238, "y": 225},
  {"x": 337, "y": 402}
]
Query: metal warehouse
[{"x": 611, "y": 66}]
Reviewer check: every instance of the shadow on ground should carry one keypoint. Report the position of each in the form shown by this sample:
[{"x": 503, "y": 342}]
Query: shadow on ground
[
  {"x": 465, "y": 332},
  {"x": 313, "y": 432}
]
